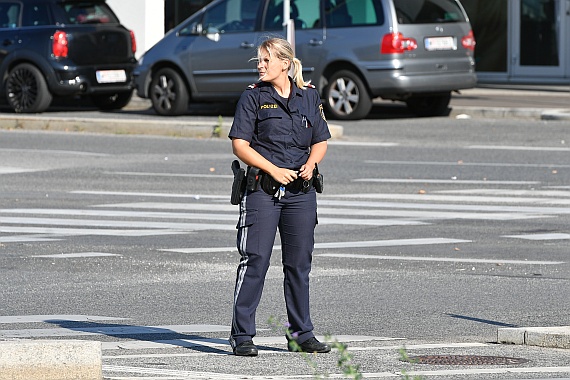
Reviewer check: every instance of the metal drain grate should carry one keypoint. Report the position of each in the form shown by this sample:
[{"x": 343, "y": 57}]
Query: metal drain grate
[{"x": 464, "y": 360}]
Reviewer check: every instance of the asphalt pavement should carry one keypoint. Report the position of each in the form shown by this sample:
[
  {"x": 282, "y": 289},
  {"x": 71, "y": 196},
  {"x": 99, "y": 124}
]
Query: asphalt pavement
[{"x": 485, "y": 101}]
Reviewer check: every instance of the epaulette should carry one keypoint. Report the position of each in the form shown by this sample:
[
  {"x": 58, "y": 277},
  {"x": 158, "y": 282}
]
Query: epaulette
[{"x": 252, "y": 86}]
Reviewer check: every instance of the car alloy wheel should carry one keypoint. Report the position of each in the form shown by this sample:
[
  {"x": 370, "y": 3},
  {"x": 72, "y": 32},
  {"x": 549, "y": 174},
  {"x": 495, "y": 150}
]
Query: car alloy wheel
[
  {"x": 27, "y": 90},
  {"x": 168, "y": 93},
  {"x": 346, "y": 96}
]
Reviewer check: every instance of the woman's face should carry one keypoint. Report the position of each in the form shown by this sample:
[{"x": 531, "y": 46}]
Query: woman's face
[{"x": 271, "y": 68}]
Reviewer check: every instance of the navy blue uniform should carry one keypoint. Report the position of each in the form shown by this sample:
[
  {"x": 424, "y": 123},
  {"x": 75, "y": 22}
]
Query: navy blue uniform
[{"x": 281, "y": 130}]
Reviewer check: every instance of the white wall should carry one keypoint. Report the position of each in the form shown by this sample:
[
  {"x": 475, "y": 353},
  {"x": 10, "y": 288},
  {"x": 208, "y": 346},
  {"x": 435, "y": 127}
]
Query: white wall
[{"x": 144, "y": 17}]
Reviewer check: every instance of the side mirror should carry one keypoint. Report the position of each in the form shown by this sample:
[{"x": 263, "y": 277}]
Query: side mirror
[{"x": 213, "y": 34}]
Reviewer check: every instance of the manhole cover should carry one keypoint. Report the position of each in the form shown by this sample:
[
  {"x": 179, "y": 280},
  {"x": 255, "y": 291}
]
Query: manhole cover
[{"x": 464, "y": 360}]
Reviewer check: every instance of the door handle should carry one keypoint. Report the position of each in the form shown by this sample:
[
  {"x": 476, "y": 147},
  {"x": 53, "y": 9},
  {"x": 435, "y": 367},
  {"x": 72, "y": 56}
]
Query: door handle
[
  {"x": 247, "y": 45},
  {"x": 315, "y": 42}
]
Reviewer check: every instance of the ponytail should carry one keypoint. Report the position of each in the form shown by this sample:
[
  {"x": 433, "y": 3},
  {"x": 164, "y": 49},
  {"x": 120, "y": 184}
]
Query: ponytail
[{"x": 298, "y": 73}]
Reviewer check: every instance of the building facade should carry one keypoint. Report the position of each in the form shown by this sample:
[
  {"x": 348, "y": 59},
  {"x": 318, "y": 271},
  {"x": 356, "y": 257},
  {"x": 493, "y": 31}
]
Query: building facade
[{"x": 518, "y": 41}]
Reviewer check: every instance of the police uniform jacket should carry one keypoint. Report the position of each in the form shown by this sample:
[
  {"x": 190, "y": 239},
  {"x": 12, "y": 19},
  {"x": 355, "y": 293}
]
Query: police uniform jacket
[{"x": 281, "y": 130}]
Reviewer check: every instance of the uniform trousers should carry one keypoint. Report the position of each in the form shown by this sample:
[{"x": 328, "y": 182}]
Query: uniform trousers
[{"x": 261, "y": 215}]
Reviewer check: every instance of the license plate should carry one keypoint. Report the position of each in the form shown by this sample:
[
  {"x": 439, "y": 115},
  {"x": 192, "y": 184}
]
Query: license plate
[
  {"x": 440, "y": 43},
  {"x": 111, "y": 76}
]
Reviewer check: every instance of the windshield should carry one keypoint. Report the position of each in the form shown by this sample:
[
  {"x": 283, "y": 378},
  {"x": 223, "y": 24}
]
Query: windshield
[{"x": 428, "y": 11}]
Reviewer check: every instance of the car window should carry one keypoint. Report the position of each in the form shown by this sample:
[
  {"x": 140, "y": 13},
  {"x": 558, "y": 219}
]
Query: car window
[
  {"x": 88, "y": 13},
  {"x": 9, "y": 15},
  {"x": 36, "y": 15},
  {"x": 304, "y": 13},
  {"x": 348, "y": 13},
  {"x": 230, "y": 16},
  {"x": 428, "y": 11}
]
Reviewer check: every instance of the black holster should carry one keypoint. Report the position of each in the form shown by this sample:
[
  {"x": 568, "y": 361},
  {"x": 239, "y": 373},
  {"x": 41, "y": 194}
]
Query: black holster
[{"x": 238, "y": 186}]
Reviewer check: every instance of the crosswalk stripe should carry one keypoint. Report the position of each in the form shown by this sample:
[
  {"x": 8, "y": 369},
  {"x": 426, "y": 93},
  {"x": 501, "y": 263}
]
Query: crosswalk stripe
[
  {"x": 454, "y": 198},
  {"x": 112, "y": 331},
  {"x": 445, "y": 181},
  {"x": 439, "y": 259},
  {"x": 339, "y": 245},
  {"x": 541, "y": 236}
]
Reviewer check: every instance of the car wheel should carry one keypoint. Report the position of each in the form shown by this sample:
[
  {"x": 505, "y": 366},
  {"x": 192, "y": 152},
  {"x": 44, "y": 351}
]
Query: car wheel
[
  {"x": 168, "y": 93},
  {"x": 430, "y": 105},
  {"x": 27, "y": 90},
  {"x": 110, "y": 102},
  {"x": 346, "y": 96}
]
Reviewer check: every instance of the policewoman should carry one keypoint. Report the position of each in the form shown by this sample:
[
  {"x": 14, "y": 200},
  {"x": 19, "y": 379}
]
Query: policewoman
[{"x": 279, "y": 127}]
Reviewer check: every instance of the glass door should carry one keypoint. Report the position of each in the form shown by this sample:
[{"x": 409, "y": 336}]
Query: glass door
[{"x": 540, "y": 38}]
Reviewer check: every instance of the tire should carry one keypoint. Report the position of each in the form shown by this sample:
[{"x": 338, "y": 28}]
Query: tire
[
  {"x": 27, "y": 90},
  {"x": 109, "y": 102},
  {"x": 346, "y": 96},
  {"x": 168, "y": 93},
  {"x": 430, "y": 105}
]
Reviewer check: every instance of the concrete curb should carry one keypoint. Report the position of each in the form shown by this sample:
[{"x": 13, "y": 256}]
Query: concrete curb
[
  {"x": 552, "y": 337},
  {"x": 51, "y": 360},
  {"x": 164, "y": 127},
  {"x": 515, "y": 113}
]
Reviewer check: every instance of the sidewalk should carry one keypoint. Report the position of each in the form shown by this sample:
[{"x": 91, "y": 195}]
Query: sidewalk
[{"x": 513, "y": 101}]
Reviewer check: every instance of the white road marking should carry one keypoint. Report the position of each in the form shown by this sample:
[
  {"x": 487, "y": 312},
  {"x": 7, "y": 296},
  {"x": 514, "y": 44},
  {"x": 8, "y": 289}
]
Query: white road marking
[
  {"x": 439, "y": 259},
  {"x": 115, "y": 330},
  {"x": 88, "y": 231},
  {"x": 25, "y": 238},
  {"x": 553, "y": 236},
  {"x": 56, "y": 317},
  {"x": 142, "y": 174},
  {"x": 510, "y": 192},
  {"x": 159, "y": 195},
  {"x": 451, "y": 198},
  {"x": 459, "y": 164},
  {"x": 444, "y": 181},
  {"x": 362, "y": 143},
  {"x": 514, "y": 147},
  {"x": 77, "y": 255},
  {"x": 112, "y": 223},
  {"x": 221, "y": 376},
  {"x": 55, "y": 151},
  {"x": 13, "y": 170},
  {"x": 391, "y": 214},
  {"x": 336, "y": 245}
]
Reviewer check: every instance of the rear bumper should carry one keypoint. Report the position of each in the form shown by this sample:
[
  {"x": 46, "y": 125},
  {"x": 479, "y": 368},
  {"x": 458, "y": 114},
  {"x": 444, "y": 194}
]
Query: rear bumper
[
  {"x": 76, "y": 81},
  {"x": 394, "y": 84}
]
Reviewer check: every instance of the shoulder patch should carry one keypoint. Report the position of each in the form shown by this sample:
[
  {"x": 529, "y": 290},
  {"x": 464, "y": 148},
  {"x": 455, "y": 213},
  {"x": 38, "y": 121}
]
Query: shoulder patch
[
  {"x": 322, "y": 112},
  {"x": 252, "y": 86},
  {"x": 310, "y": 85}
]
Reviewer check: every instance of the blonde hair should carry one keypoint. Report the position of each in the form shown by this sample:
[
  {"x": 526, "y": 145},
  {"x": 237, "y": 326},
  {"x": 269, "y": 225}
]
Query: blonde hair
[{"x": 281, "y": 49}]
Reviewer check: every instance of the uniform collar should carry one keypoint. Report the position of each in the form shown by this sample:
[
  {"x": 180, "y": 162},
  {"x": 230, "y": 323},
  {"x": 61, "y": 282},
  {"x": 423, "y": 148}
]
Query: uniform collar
[{"x": 267, "y": 87}]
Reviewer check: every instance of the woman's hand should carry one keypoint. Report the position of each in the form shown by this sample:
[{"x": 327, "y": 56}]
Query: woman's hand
[
  {"x": 283, "y": 176},
  {"x": 306, "y": 171}
]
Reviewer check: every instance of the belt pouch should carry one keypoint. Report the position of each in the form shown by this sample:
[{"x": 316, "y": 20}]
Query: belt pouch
[
  {"x": 253, "y": 178},
  {"x": 268, "y": 184}
]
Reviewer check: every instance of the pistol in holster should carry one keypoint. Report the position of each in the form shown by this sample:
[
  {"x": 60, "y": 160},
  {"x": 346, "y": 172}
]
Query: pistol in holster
[
  {"x": 238, "y": 186},
  {"x": 318, "y": 181}
]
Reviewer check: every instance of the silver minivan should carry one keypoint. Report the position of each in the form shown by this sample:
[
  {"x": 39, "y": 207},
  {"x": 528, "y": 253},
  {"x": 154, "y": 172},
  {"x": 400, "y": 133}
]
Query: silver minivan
[{"x": 415, "y": 51}]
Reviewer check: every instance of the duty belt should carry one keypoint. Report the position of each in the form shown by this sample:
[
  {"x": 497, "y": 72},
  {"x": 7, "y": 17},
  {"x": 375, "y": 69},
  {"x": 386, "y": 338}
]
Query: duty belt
[{"x": 270, "y": 186}]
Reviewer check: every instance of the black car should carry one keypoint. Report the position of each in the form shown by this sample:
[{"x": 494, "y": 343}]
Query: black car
[{"x": 57, "y": 48}]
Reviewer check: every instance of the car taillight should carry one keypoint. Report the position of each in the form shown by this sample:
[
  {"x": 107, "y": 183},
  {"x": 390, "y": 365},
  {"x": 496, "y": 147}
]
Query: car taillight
[
  {"x": 133, "y": 42},
  {"x": 395, "y": 43},
  {"x": 59, "y": 46},
  {"x": 468, "y": 41}
]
